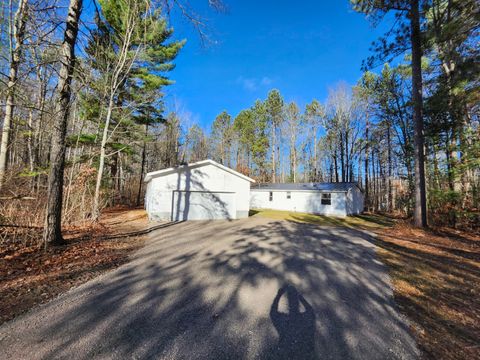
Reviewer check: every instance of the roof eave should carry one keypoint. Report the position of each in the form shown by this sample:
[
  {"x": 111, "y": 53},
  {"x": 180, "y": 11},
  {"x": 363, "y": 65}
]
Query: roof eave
[
  {"x": 149, "y": 176},
  {"x": 301, "y": 190}
]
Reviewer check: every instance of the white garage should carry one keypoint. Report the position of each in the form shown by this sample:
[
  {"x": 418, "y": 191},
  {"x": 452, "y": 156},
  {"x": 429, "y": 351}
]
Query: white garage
[
  {"x": 198, "y": 191},
  {"x": 336, "y": 199}
]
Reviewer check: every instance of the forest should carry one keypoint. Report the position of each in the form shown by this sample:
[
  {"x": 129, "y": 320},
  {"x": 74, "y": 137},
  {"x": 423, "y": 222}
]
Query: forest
[{"x": 83, "y": 115}]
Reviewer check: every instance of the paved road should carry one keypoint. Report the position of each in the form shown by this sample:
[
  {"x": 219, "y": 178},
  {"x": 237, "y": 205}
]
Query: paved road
[{"x": 210, "y": 290}]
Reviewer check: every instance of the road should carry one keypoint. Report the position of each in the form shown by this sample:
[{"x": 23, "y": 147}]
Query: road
[{"x": 210, "y": 290}]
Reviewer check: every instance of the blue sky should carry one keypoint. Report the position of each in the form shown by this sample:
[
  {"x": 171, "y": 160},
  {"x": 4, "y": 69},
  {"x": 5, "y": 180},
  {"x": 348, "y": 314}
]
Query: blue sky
[{"x": 301, "y": 49}]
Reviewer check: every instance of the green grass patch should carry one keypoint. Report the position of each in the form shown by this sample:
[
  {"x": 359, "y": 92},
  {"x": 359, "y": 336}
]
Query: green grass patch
[{"x": 363, "y": 221}]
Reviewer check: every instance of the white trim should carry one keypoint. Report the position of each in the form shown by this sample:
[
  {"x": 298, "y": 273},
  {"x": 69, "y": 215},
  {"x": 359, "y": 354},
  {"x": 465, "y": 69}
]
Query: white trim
[
  {"x": 149, "y": 176},
  {"x": 205, "y": 191},
  {"x": 292, "y": 191}
]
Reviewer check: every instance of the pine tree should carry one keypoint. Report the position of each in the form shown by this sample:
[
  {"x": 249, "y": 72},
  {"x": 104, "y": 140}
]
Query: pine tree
[
  {"x": 261, "y": 143},
  {"x": 222, "y": 137},
  {"x": 131, "y": 55},
  {"x": 274, "y": 106},
  {"x": 410, "y": 15},
  {"x": 244, "y": 127}
]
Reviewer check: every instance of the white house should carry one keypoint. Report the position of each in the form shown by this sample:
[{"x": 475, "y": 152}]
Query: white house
[
  {"x": 337, "y": 199},
  {"x": 202, "y": 190}
]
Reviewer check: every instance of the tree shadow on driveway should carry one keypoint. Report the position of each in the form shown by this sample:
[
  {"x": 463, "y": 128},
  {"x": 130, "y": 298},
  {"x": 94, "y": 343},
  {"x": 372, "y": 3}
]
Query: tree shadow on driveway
[{"x": 205, "y": 290}]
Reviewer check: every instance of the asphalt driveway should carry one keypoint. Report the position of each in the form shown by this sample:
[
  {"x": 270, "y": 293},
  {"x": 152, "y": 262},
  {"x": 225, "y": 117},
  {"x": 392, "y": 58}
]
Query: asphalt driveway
[{"x": 215, "y": 290}]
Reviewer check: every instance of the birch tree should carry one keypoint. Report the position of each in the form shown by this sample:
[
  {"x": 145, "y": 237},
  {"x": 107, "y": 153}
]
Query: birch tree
[
  {"x": 313, "y": 118},
  {"x": 17, "y": 37}
]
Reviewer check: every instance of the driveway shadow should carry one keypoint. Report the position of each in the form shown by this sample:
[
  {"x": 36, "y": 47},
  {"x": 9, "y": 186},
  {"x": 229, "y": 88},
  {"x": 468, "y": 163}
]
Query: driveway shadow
[{"x": 204, "y": 290}]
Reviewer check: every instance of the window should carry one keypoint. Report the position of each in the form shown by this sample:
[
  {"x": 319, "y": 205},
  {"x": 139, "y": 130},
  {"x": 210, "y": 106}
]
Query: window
[
  {"x": 289, "y": 195},
  {"x": 270, "y": 196},
  {"x": 326, "y": 199}
]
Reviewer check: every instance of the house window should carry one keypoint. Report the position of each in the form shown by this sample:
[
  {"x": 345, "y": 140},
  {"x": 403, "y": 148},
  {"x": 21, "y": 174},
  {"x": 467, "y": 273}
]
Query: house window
[
  {"x": 326, "y": 199},
  {"x": 289, "y": 195},
  {"x": 270, "y": 196}
]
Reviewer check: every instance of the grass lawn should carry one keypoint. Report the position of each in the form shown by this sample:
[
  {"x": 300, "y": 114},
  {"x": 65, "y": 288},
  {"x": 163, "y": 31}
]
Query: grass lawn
[
  {"x": 364, "y": 221},
  {"x": 435, "y": 274}
]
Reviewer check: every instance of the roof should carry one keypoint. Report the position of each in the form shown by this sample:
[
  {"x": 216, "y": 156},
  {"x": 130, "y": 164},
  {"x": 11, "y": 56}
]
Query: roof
[
  {"x": 327, "y": 187},
  {"x": 198, "y": 164}
]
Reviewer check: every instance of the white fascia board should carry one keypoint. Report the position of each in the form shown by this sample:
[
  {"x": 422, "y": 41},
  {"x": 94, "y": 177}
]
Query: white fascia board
[
  {"x": 149, "y": 176},
  {"x": 311, "y": 191}
]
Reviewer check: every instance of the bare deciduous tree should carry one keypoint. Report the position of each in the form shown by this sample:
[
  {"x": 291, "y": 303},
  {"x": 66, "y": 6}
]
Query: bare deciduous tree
[
  {"x": 17, "y": 37},
  {"x": 53, "y": 223}
]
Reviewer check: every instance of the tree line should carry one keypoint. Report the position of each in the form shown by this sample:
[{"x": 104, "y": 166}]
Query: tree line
[{"x": 408, "y": 131}]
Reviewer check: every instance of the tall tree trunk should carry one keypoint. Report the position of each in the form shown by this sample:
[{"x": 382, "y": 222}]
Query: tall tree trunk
[
  {"x": 142, "y": 167},
  {"x": 342, "y": 157},
  {"x": 31, "y": 160},
  {"x": 294, "y": 165},
  {"x": 374, "y": 183},
  {"x": 19, "y": 36},
  {"x": 347, "y": 158},
  {"x": 367, "y": 199},
  {"x": 120, "y": 179},
  {"x": 382, "y": 193},
  {"x": 336, "y": 165},
  {"x": 293, "y": 155},
  {"x": 238, "y": 158},
  {"x": 436, "y": 170},
  {"x": 449, "y": 162},
  {"x": 464, "y": 143},
  {"x": 53, "y": 233},
  {"x": 390, "y": 169},
  {"x": 101, "y": 165},
  {"x": 420, "y": 213},
  {"x": 273, "y": 153},
  {"x": 315, "y": 157}
]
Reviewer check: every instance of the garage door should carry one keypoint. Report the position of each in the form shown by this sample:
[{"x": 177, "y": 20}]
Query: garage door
[{"x": 202, "y": 205}]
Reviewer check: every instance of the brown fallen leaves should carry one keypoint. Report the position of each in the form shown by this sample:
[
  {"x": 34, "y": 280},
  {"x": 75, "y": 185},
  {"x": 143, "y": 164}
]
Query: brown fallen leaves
[
  {"x": 436, "y": 278},
  {"x": 29, "y": 275}
]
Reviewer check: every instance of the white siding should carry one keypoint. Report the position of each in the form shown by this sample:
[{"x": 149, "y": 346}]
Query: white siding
[
  {"x": 300, "y": 201},
  {"x": 206, "y": 178},
  {"x": 357, "y": 201},
  {"x": 192, "y": 205},
  {"x": 354, "y": 201}
]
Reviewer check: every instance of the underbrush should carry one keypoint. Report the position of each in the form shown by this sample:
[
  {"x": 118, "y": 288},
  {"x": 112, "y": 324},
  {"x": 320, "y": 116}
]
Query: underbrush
[
  {"x": 30, "y": 274},
  {"x": 454, "y": 209},
  {"x": 23, "y": 202}
]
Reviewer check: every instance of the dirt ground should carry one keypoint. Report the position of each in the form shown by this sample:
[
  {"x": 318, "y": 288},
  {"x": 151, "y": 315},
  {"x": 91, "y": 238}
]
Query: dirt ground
[
  {"x": 31, "y": 275},
  {"x": 436, "y": 278}
]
